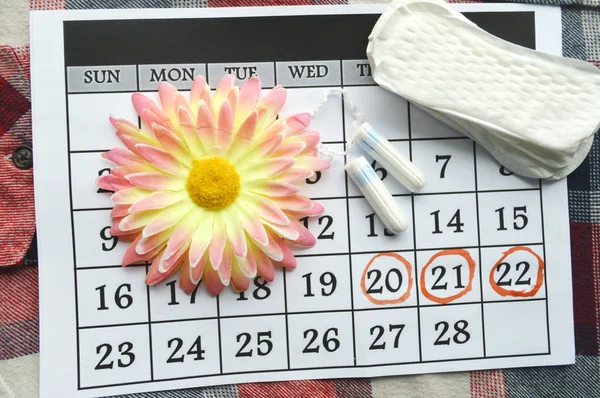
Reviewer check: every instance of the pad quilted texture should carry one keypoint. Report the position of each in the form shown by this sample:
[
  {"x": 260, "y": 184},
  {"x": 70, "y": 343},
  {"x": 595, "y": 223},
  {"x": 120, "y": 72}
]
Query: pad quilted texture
[
  {"x": 19, "y": 317},
  {"x": 535, "y": 113}
]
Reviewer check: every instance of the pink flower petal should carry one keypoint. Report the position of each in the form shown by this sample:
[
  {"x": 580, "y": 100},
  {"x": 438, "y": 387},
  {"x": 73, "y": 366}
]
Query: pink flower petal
[
  {"x": 200, "y": 91},
  {"x": 294, "y": 203},
  {"x": 190, "y": 135},
  {"x": 248, "y": 264},
  {"x": 141, "y": 102},
  {"x": 201, "y": 238},
  {"x": 289, "y": 232},
  {"x": 156, "y": 181},
  {"x": 162, "y": 159},
  {"x": 217, "y": 243},
  {"x": 159, "y": 200},
  {"x": 129, "y": 196},
  {"x": 249, "y": 94},
  {"x": 212, "y": 280},
  {"x": 264, "y": 265},
  {"x": 289, "y": 260},
  {"x": 167, "y": 218},
  {"x": 315, "y": 210},
  {"x": 173, "y": 144},
  {"x": 239, "y": 281},
  {"x": 147, "y": 244},
  {"x": 138, "y": 220},
  {"x": 272, "y": 248},
  {"x": 111, "y": 182},
  {"x": 122, "y": 157},
  {"x": 306, "y": 238},
  {"x": 312, "y": 163},
  {"x": 119, "y": 211},
  {"x": 265, "y": 208},
  {"x": 235, "y": 232},
  {"x": 295, "y": 174},
  {"x": 198, "y": 270},
  {"x": 225, "y": 126},
  {"x": 289, "y": 149},
  {"x": 252, "y": 224},
  {"x": 224, "y": 268},
  {"x": 182, "y": 233},
  {"x": 222, "y": 91},
  {"x": 270, "y": 188},
  {"x": 267, "y": 169},
  {"x": 185, "y": 279}
]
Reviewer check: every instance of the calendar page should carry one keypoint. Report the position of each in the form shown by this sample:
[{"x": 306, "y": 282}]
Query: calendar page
[{"x": 481, "y": 279}]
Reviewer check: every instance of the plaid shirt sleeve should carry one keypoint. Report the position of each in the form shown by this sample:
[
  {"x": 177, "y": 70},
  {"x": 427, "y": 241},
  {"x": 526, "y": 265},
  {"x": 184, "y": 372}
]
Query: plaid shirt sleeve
[{"x": 17, "y": 219}]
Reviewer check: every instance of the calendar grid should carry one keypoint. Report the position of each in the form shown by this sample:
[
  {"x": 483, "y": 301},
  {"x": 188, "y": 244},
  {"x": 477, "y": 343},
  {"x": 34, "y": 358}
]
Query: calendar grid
[
  {"x": 72, "y": 228},
  {"x": 305, "y": 313},
  {"x": 414, "y": 232},
  {"x": 479, "y": 246},
  {"x": 348, "y": 213},
  {"x": 353, "y": 311},
  {"x": 545, "y": 268}
]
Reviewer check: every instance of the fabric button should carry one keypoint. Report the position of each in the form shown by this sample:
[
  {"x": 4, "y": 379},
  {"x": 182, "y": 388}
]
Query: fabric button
[{"x": 23, "y": 157}]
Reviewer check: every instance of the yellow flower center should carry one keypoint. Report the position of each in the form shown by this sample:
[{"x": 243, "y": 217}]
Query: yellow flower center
[{"x": 213, "y": 183}]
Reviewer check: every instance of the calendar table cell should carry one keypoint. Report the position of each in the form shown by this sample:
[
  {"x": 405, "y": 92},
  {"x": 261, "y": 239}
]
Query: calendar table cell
[
  {"x": 169, "y": 302},
  {"x": 492, "y": 176},
  {"x": 185, "y": 349},
  {"x": 94, "y": 244},
  {"x": 320, "y": 340},
  {"x": 516, "y": 328},
  {"x": 510, "y": 217},
  {"x": 425, "y": 126},
  {"x": 383, "y": 280},
  {"x": 181, "y": 76},
  {"x": 448, "y": 276},
  {"x": 114, "y": 355},
  {"x": 386, "y": 111},
  {"x": 242, "y": 72},
  {"x": 367, "y": 232},
  {"x": 85, "y": 170},
  {"x": 262, "y": 297},
  {"x": 513, "y": 273},
  {"x": 330, "y": 229},
  {"x": 387, "y": 336},
  {"x": 448, "y": 220},
  {"x": 329, "y": 183},
  {"x": 111, "y": 296},
  {"x": 451, "y": 332},
  {"x": 448, "y": 165},
  {"x": 89, "y": 127},
  {"x": 356, "y": 72},
  {"x": 328, "y": 121},
  {"x": 252, "y": 344},
  {"x": 319, "y": 283},
  {"x": 389, "y": 181}
]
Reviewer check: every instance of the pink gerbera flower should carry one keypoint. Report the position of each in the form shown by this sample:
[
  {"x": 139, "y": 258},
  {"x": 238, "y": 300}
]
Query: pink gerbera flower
[{"x": 206, "y": 187}]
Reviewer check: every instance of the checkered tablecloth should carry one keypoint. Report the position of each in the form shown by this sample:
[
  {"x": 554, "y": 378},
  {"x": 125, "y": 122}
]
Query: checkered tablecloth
[{"x": 19, "y": 332}]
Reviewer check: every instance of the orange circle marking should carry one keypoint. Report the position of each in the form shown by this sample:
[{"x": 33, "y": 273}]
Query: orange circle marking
[
  {"x": 449, "y": 252},
  {"x": 518, "y": 293},
  {"x": 400, "y": 299}
]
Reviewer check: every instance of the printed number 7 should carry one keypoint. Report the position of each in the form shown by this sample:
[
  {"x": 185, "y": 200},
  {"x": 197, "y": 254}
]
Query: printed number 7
[{"x": 446, "y": 159}]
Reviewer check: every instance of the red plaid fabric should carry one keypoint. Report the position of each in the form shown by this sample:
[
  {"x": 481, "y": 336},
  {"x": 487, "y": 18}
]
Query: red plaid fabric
[
  {"x": 17, "y": 221},
  {"x": 19, "y": 331}
]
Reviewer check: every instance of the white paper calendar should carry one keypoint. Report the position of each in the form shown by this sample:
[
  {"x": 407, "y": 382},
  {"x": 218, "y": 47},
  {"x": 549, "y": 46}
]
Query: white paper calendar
[{"x": 480, "y": 280}]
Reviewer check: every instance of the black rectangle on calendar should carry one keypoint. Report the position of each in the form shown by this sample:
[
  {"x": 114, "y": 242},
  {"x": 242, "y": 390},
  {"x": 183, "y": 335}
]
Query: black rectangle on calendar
[{"x": 282, "y": 38}]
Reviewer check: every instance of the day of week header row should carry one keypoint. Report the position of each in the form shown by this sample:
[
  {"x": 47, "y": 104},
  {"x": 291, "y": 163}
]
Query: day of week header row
[{"x": 288, "y": 74}]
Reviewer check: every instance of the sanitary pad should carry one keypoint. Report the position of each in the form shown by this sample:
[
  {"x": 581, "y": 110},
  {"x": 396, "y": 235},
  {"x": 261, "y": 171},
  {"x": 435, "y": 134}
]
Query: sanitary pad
[{"x": 535, "y": 113}]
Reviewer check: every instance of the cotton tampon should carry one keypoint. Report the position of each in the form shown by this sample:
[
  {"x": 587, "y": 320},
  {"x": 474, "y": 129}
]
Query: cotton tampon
[
  {"x": 380, "y": 149},
  {"x": 378, "y": 196}
]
